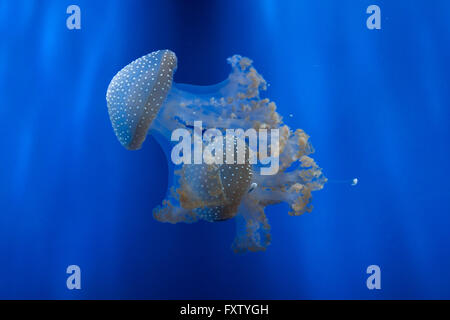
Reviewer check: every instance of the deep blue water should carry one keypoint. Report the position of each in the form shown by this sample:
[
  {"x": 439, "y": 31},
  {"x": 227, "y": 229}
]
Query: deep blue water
[{"x": 376, "y": 104}]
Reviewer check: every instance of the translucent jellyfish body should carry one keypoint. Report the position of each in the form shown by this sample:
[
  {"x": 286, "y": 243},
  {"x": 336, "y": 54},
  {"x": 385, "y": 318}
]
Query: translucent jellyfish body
[{"x": 143, "y": 99}]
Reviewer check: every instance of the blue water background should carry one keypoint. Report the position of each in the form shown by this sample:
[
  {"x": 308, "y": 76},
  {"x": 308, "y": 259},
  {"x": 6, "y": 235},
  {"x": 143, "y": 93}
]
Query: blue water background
[{"x": 376, "y": 104}]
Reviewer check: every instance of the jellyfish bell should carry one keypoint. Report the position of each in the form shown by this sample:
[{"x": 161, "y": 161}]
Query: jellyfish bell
[
  {"x": 143, "y": 99},
  {"x": 136, "y": 94}
]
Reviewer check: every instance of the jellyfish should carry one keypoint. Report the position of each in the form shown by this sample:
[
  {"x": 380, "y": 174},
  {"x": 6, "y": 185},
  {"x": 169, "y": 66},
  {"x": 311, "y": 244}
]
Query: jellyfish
[{"x": 143, "y": 99}]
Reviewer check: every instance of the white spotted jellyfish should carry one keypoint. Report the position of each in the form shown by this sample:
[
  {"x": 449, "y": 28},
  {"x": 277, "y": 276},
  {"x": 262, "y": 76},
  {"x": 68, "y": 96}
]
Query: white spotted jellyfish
[{"x": 142, "y": 99}]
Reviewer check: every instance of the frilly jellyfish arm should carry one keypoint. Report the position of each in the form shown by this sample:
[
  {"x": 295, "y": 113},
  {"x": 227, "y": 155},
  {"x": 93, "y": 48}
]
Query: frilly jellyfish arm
[
  {"x": 143, "y": 99},
  {"x": 297, "y": 177},
  {"x": 210, "y": 192},
  {"x": 252, "y": 227},
  {"x": 293, "y": 186}
]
